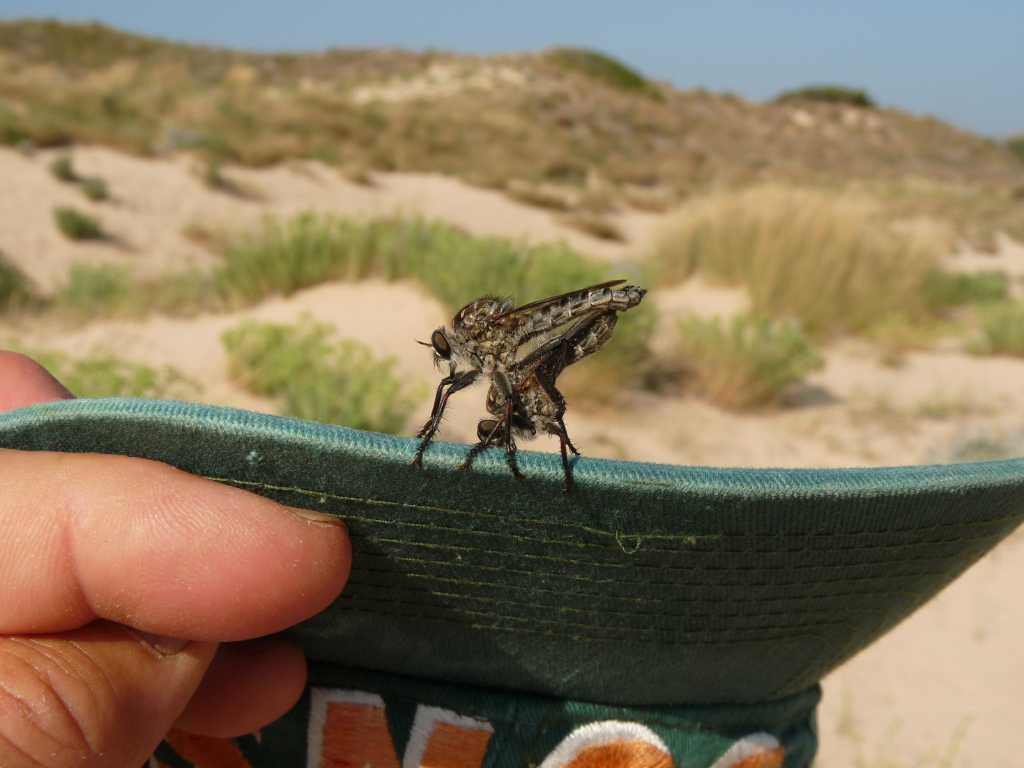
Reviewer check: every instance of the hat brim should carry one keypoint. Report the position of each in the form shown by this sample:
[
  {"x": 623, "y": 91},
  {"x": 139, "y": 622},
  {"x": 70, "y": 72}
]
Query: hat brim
[{"x": 650, "y": 584}]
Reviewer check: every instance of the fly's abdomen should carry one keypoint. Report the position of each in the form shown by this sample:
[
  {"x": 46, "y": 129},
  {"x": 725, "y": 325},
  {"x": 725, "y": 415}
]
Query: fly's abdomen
[{"x": 585, "y": 302}]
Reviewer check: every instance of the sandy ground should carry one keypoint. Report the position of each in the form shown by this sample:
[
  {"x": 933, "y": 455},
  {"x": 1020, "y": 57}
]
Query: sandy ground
[{"x": 942, "y": 689}]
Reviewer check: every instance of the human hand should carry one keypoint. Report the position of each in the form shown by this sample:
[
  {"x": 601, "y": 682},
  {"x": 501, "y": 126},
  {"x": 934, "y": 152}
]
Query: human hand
[{"x": 130, "y": 594}]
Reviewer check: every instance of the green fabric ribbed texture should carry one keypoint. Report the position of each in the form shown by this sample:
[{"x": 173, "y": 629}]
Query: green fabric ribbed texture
[{"x": 650, "y": 585}]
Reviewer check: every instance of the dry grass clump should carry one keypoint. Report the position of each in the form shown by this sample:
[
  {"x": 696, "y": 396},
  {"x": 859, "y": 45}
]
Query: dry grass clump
[
  {"x": 548, "y": 196},
  {"x": 594, "y": 224},
  {"x": 747, "y": 361},
  {"x": 823, "y": 258}
]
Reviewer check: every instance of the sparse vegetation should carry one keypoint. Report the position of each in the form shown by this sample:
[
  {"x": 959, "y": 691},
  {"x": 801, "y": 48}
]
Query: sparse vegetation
[
  {"x": 103, "y": 374},
  {"x": 62, "y": 168},
  {"x": 602, "y": 68},
  {"x": 747, "y": 361},
  {"x": 76, "y": 225},
  {"x": 15, "y": 289},
  {"x": 1002, "y": 331},
  {"x": 816, "y": 256},
  {"x": 830, "y": 94},
  {"x": 152, "y": 96},
  {"x": 594, "y": 224},
  {"x": 94, "y": 290},
  {"x": 944, "y": 290},
  {"x": 1016, "y": 145},
  {"x": 317, "y": 377},
  {"x": 95, "y": 189}
]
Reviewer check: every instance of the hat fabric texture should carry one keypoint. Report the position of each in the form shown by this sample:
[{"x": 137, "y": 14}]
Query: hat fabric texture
[{"x": 671, "y": 595}]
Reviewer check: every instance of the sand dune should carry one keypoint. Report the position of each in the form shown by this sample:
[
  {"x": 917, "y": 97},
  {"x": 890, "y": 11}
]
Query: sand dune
[{"x": 945, "y": 682}]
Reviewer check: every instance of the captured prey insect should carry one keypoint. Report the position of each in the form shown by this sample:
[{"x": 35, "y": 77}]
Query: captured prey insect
[{"x": 486, "y": 337}]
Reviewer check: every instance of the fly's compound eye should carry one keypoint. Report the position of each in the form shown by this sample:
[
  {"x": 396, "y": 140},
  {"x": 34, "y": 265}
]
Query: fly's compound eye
[
  {"x": 440, "y": 344},
  {"x": 488, "y": 429}
]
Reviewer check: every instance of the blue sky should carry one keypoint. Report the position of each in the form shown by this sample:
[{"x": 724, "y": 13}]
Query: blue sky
[{"x": 960, "y": 61}]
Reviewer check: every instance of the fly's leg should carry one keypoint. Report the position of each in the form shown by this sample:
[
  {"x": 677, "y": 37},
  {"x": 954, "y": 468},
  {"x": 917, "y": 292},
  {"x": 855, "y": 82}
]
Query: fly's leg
[
  {"x": 480, "y": 447},
  {"x": 565, "y": 432},
  {"x": 563, "y": 441},
  {"x": 458, "y": 381},
  {"x": 450, "y": 378},
  {"x": 510, "y": 444}
]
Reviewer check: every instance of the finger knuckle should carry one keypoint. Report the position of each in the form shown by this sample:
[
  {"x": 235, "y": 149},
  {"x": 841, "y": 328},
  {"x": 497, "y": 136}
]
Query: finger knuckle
[{"x": 56, "y": 706}]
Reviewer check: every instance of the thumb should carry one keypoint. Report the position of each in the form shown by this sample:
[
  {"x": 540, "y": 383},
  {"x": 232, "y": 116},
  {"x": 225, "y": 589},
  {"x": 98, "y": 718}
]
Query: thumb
[{"x": 102, "y": 695}]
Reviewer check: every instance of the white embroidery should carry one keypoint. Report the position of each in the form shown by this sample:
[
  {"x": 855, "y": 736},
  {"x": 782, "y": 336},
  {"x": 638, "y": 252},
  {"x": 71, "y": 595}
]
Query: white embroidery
[
  {"x": 424, "y": 724},
  {"x": 748, "y": 746},
  {"x": 597, "y": 734},
  {"x": 319, "y": 699}
]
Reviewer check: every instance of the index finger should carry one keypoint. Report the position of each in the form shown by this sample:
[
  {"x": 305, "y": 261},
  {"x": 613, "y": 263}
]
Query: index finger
[{"x": 87, "y": 536}]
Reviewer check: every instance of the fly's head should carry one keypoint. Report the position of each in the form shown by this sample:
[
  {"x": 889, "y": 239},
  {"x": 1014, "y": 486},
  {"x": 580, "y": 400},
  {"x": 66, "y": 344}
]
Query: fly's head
[{"x": 441, "y": 347}]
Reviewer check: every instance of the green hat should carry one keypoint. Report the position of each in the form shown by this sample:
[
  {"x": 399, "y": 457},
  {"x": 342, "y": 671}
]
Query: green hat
[{"x": 683, "y": 615}]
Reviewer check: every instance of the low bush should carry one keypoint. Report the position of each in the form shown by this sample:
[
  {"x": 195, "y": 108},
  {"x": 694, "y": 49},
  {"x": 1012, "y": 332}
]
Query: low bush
[
  {"x": 1002, "y": 331},
  {"x": 102, "y": 374},
  {"x": 830, "y": 94},
  {"x": 602, "y": 68},
  {"x": 747, "y": 361},
  {"x": 15, "y": 289},
  {"x": 315, "y": 377},
  {"x": 76, "y": 225},
  {"x": 62, "y": 168},
  {"x": 95, "y": 188}
]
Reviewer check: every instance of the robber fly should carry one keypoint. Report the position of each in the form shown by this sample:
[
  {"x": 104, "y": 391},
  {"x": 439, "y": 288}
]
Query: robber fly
[
  {"x": 486, "y": 337},
  {"x": 526, "y": 401}
]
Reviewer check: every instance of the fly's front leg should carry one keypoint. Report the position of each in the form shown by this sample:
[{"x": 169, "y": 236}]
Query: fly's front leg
[
  {"x": 437, "y": 399},
  {"x": 561, "y": 425},
  {"x": 455, "y": 382}
]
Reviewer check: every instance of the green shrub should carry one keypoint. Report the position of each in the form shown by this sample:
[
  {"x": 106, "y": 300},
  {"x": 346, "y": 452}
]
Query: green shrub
[
  {"x": 747, "y": 361},
  {"x": 317, "y": 378},
  {"x": 15, "y": 289},
  {"x": 1016, "y": 145},
  {"x": 95, "y": 188},
  {"x": 77, "y": 225},
  {"x": 831, "y": 94},
  {"x": 95, "y": 290},
  {"x": 63, "y": 169},
  {"x": 1002, "y": 331},
  {"x": 955, "y": 289},
  {"x": 102, "y": 374},
  {"x": 603, "y": 68}
]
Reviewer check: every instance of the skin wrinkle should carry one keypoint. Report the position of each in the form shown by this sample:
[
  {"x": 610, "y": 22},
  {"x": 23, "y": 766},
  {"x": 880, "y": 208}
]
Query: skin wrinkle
[
  {"x": 30, "y": 716},
  {"x": 44, "y": 674}
]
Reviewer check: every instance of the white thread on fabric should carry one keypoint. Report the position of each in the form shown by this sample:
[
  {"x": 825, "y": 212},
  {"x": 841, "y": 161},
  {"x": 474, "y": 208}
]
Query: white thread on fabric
[
  {"x": 424, "y": 724},
  {"x": 598, "y": 734},
  {"x": 319, "y": 699},
  {"x": 747, "y": 747}
]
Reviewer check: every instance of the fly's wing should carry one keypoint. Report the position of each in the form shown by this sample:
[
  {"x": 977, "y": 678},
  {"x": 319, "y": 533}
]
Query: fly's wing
[{"x": 581, "y": 340}]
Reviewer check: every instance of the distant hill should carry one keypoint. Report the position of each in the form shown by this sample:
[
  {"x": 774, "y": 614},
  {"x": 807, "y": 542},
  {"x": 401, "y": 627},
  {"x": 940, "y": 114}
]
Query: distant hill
[{"x": 561, "y": 117}]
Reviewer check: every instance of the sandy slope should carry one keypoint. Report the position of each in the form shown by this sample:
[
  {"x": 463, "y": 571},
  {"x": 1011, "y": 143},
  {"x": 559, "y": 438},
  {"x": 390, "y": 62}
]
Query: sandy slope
[{"x": 946, "y": 681}]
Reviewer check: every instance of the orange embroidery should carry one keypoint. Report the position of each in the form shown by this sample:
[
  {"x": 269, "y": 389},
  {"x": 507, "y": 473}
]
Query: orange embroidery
[
  {"x": 769, "y": 759},
  {"x": 206, "y": 751},
  {"x": 356, "y": 735},
  {"x": 452, "y": 746},
  {"x": 622, "y": 754}
]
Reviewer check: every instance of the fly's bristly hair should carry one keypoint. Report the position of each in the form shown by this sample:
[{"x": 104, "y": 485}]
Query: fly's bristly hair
[{"x": 488, "y": 336}]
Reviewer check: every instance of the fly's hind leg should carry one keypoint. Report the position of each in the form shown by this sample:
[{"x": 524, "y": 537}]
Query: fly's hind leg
[
  {"x": 486, "y": 431},
  {"x": 563, "y": 441}
]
